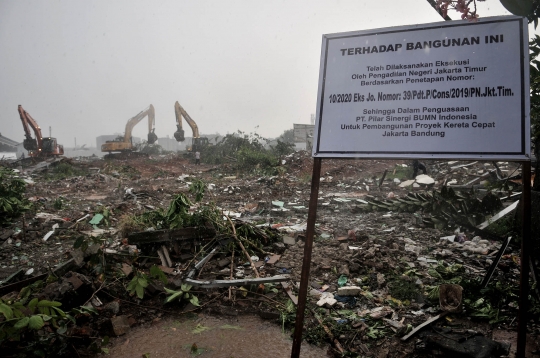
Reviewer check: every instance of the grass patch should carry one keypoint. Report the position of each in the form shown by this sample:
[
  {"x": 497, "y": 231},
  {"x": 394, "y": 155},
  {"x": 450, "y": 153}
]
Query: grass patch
[
  {"x": 504, "y": 227},
  {"x": 403, "y": 289},
  {"x": 400, "y": 172},
  {"x": 63, "y": 171}
]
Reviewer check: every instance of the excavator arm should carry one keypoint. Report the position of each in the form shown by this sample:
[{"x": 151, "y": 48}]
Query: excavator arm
[
  {"x": 125, "y": 144},
  {"x": 180, "y": 112},
  {"x": 150, "y": 112},
  {"x": 198, "y": 143},
  {"x": 179, "y": 134},
  {"x": 28, "y": 122}
]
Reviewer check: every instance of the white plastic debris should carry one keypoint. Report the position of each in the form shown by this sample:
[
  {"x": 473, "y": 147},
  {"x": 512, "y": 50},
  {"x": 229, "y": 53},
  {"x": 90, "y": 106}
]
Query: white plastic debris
[
  {"x": 182, "y": 177},
  {"x": 424, "y": 179},
  {"x": 48, "y": 235},
  {"x": 327, "y": 299},
  {"x": 448, "y": 238},
  {"x": 406, "y": 183},
  {"x": 412, "y": 248}
]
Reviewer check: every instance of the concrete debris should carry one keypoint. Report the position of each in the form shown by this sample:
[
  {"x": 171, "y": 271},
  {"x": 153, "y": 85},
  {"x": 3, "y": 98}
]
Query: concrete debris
[
  {"x": 349, "y": 291},
  {"x": 120, "y": 325}
]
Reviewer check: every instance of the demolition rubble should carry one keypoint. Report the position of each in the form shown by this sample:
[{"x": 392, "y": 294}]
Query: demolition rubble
[{"x": 402, "y": 266}]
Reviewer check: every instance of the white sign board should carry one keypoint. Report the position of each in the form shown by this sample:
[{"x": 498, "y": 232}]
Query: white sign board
[{"x": 444, "y": 90}]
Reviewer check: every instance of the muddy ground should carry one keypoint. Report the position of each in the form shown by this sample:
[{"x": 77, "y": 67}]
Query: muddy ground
[{"x": 377, "y": 232}]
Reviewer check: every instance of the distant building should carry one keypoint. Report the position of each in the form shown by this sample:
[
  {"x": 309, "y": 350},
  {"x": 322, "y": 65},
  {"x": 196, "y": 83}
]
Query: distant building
[
  {"x": 170, "y": 144},
  {"x": 7, "y": 145},
  {"x": 303, "y": 136}
]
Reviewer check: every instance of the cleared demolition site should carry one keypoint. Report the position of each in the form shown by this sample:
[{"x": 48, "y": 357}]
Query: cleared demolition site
[
  {"x": 339, "y": 234},
  {"x": 146, "y": 253}
]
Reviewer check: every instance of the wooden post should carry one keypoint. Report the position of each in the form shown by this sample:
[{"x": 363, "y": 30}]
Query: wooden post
[
  {"x": 525, "y": 252},
  {"x": 304, "y": 280}
]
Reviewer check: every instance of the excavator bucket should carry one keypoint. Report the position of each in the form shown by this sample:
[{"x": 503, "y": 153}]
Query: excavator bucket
[
  {"x": 30, "y": 144},
  {"x": 179, "y": 134},
  {"x": 152, "y": 137}
]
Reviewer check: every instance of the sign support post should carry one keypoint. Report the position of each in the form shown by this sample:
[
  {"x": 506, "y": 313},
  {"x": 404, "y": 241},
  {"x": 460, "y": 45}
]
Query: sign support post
[
  {"x": 525, "y": 255},
  {"x": 304, "y": 280}
]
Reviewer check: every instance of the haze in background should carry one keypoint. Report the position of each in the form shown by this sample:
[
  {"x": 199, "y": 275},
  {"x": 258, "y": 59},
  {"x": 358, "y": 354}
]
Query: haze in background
[{"x": 86, "y": 67}]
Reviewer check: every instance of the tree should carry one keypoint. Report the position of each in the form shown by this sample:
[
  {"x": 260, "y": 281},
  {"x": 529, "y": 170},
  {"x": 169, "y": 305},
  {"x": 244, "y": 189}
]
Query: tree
[
  {"x": 467, "y": 8},
  {"x": 287, "y": 136}
]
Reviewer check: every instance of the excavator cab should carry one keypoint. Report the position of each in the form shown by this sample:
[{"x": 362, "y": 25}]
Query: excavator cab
[
  {"x": 179, "y": 134},
  {"x": 50, "y": 146},
  {"x": 199, "y": 143}
]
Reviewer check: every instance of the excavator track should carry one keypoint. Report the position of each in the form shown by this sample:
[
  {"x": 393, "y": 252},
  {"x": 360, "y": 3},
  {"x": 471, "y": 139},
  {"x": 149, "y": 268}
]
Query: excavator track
[{"x": 125, "y": 155}]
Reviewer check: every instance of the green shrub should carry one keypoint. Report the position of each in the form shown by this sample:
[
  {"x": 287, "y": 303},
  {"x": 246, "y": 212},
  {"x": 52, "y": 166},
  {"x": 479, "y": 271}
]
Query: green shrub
[{"x": 12, "y": 201}]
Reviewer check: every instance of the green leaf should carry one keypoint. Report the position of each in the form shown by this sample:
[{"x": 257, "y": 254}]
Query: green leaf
[
  {"x": 156, "y": 272},
  {"x": 35, "y": 322},
  {"x": 434, "y": 273},
  {"x": 142, "y": 282},
  {"x": 200, "y": 328},
  {"x": 45, "y": 303},
  {"x": 169, "y": 291},
  {"x": 17, "y": 313},
  {"x": 174, "y": 295},
  {"x": 23, "y": 322},
  {"x": 140, "y": 291},
  {"x": 194, "y": 301},
  {"x": 45, "y": 310},
  {"x": 32, "y": 304},
  {"x": 132, "y": 284},
  {"x": 185, "y": 287},
  {"x": 60, "y": 312},
  {"x": 6, "y": 311}
]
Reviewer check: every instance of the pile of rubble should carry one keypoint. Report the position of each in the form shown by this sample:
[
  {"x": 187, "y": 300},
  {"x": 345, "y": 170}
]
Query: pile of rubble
[{"x": 109, "y": 244}]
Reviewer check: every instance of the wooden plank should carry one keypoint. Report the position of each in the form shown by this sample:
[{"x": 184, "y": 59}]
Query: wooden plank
[
  {"x": 288, "y": 289},
  {"x": 428, "y": 322},
  {"x": 188, "y": 233},
  {"x": 242, "y": 282},
  {"x": 497, "y": 216}
]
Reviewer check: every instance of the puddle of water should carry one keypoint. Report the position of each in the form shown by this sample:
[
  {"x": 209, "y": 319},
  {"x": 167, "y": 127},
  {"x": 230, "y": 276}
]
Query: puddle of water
[{"x": 210, "y": 337}]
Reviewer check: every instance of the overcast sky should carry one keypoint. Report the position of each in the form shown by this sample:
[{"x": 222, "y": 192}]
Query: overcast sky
[{"x": 86, "y": 67}]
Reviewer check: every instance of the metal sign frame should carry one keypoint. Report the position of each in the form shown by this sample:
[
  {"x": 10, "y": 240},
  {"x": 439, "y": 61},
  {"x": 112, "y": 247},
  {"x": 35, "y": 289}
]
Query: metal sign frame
[
  {"x": 523, "y": 156},
  {"x": 357, "y": 66}
]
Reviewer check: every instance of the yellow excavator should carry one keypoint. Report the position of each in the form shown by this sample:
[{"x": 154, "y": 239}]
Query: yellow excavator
[
  {"x": 124, "y": 144},
  {"x": 198, "y": 142}
]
